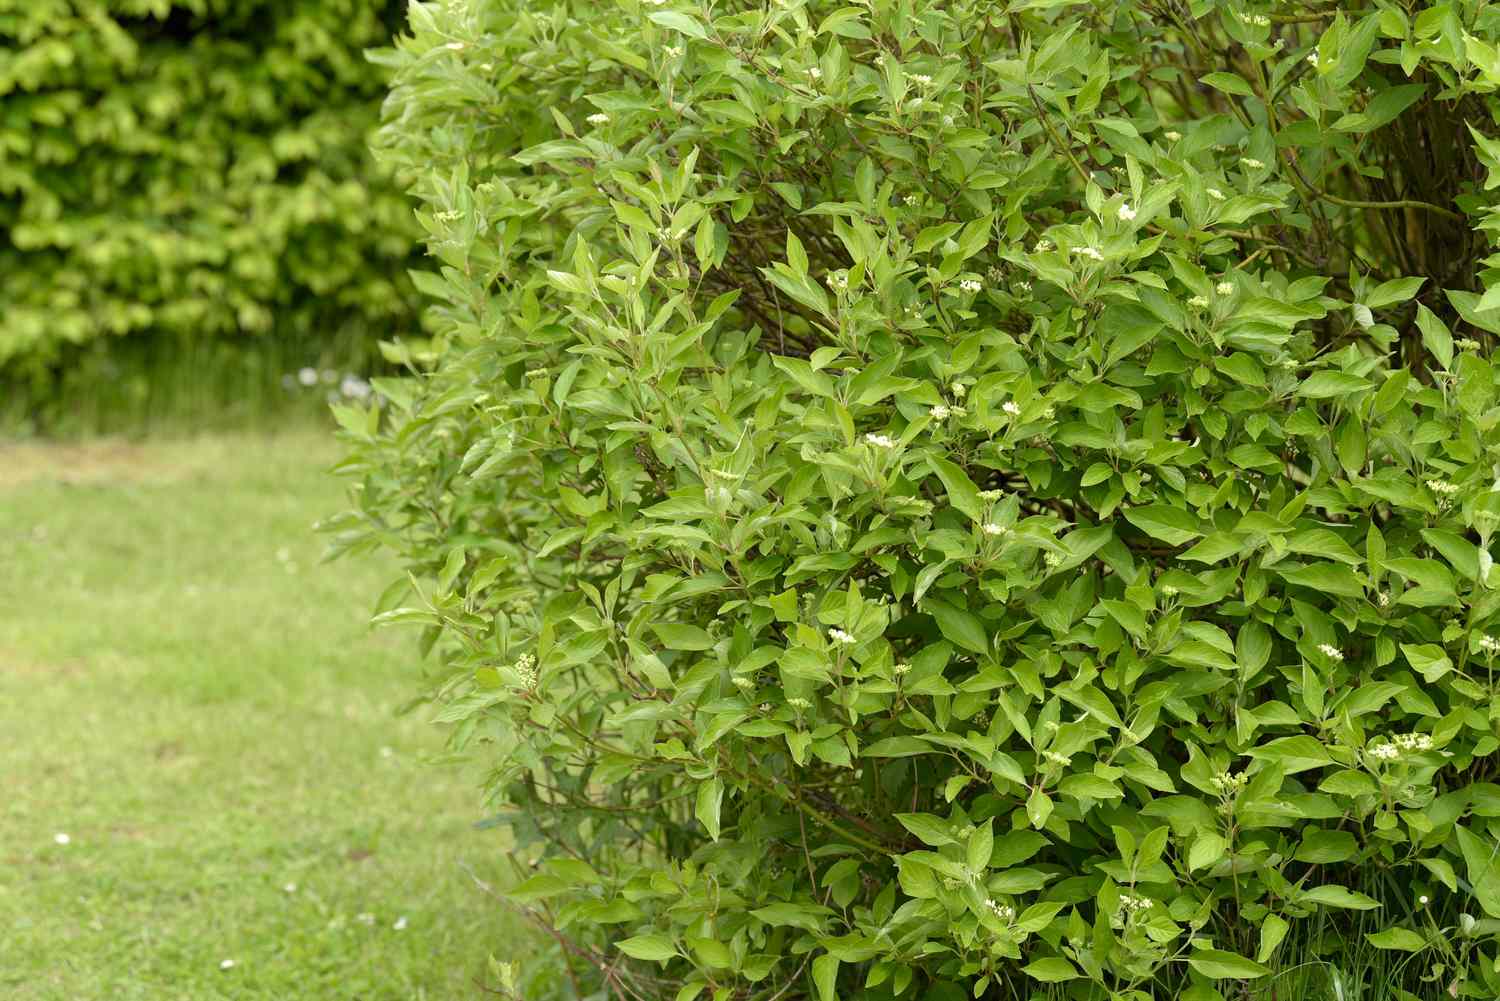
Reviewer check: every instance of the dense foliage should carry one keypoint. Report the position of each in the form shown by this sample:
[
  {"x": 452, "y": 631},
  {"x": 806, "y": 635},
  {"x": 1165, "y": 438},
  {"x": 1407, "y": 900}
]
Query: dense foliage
[
  {"x": 193, "y": 168},
  {"x": 934, "y": 499}
]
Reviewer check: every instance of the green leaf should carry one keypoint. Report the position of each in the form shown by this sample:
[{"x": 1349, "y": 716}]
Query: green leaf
[
  {"x": 962, "y": 493},
  {"x": 932, "y": 831},
  {"x": 1339, "y": 896},
  {"x": 1482, "y": 857},
  {"x": 1402, "y": 939},
  {"x": 679, "y": 22},
  {"x": 710, "y": 798},
  {"x": 682, "y": 636},
  {"x": 655, "y": 948},
  {"x": 1435, "y": 336},
  {"x": 825, "y": 972},
  {"x": 1171, "y": 525},
  {"x": 1273, "y": 929},
  {"x": 1051, "y": 970},
  {"x": 1325, "y": 384},
  {"x": 1220, "y": 965},
  {"x": 959, "y": 625},
  {"x": 1229, "y": 83}
]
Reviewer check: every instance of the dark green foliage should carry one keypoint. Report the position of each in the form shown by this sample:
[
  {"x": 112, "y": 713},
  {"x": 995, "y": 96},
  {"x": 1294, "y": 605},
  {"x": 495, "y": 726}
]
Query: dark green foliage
[
  {"x": 193, "y": 168},
  {"x": 934, "y": 500}
]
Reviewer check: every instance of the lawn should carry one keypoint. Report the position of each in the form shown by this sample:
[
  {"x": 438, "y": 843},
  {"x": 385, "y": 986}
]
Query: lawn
[{"x": 206, "y": 792}]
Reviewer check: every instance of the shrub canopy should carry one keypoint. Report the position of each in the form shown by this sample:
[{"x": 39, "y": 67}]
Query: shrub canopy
[
  {"x": 193, "y": 167},
  {"x": 934, "y": 500}
]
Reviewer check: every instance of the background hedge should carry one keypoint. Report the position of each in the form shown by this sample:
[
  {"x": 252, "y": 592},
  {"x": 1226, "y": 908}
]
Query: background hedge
[{"x": 193, "y": 167}]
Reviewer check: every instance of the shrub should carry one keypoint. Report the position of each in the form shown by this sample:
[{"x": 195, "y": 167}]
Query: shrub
[
  {"x": 193, "y": 168},
  {"x": 925, "y": 500}
]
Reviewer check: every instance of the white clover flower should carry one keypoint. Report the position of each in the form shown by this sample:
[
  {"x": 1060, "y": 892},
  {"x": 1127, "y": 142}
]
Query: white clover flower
[
  {"x": 1198, "y": 302},
  {"x": 1215, "y": 194},
  {"x": 1224, "y": 288},
  {"x": 799, "y": 703},
  {"x": 1330, "y": 651},
  {"x": 1090, "y": 252},
  {"x": 1172, "y": 135},
  {"x": 839, "y": 636},
  {"x": 1043, "y": 246},
  {"x": 970, "y": 285},
  {"x": 1250, "y": 163},
  {"x": 62, "y": 838},
  {"x": 990, "y": 495},
  {"x": 1126, "y": 213},
  {"x": 1385, "y": 752},
  {"x": 598, "y": 118},
  {"x": 880, "y": 440},
  {"x": 940, "y": 412},
  {"x": 990, "y": 528}
]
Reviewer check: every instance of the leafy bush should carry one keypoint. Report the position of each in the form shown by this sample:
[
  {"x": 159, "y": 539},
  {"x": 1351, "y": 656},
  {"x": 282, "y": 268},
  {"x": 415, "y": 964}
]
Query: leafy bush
[
  {"x": 193, "y": 168},
  {"x": 926, "y": 500}
]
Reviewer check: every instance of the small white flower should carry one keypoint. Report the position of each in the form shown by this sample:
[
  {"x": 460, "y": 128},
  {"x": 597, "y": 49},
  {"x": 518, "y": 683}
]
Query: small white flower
[
  {"x": 880, "y": 59},
  {"x": 1126, "y": 213},
  {"x": 1024, "y": 288},
  {"x": 1250, "y": 163},
  {"x": 1442, "y": 487},
  {"x": 1002, "y": 911},
  {"x": 959, "y": 390},
  {"x": 1312, "y": 57},
  {"x": 61, "y": 838},
  {"x": 226, "y": 964},
  {"x": 307, "y": 376},
  {"x": 970, "y": 286},
  {"x": 1053, "y": 559},
  {"x": 1385, "y": 752},
  {"x": 1090, "y": 252},
  {"x": 922, "y": 78},
  {"x": 455, "y": 46},
  {"x": 940, "y": 412},
  {"x": 1043, "y": 246},
  {"x": 1224, "y": 288},
  {"x": 672, "y": 51},
  {"x": 815, "y": 73},
  {"x": 598, "y": 118},
  {"x": 1011, "y": 407},
  {"x": 880, "y": 440},
  {"x": 908, "y": 200},
  {"x": 1229, "y": 783},
  {"x": 799, "y": 703},
  {"x": 839, "y": 636},
  {"x": 1383, "y": 599},
  {"x": 901, "y": 670},
  {"x": 290, "y": 888},
  {"x": 1215, "y": 194},
  {"x": 990, "y": 528},
  {"x": 1424, "y": 900},
  {"x": 989, "y": 495},
  {"x": 1330, "y": 651},
  {"x": 400, "y": 924},
  {"x": 1172, "y": 135},
  {"x": 1198, "y": 302},
  {"x": 1489, "y": 644},
  {"x": 838, "y": 280}
]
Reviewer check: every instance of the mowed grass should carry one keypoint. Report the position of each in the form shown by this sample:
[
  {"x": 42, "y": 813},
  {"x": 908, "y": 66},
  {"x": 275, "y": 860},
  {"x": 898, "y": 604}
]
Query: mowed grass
[{"x": 195, "y": 701}]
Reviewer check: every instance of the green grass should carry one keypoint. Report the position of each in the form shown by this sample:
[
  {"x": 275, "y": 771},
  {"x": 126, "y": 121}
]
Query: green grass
[{"x": 195, "y": 701}]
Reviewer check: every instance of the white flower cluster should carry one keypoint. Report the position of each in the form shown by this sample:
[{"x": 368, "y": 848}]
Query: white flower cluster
[
  {"x": 1090, "y": 252},
  {"x": 1229, "y": 783},
  {"x": 1131, "y": 904},
  {"x": 971, "y": 285},
  {"x": 1126, "y": 213},
  {"x": 1250, "y": 163},
  {"x": 839, "y": 636},
  {"x": 799, "y": 703},
  {"x": 526, "y": 670},
  {"x": 1489, "y": 644},
  {"x": 1224, "y": 288},
  {"x": 901, "y": 670},
  {"x": 990, "y": 495},
  {"x": 990, "y": 528},
  {"x": 598, "y": 118},
  {"x": 1044, "y": 246},
  {"x": 1215, "y": 194},
  {"x": 1004, "y": 912},
  {"x": 943, "y": 411},
  {"x": 1413, "y": 741},
  {"x": 1442, "y": 488},
  {"x": 1330, "y": 651},
  {"x": 959, "y": 390},
  {"x": 1171, "y": 135},
  {"x": 1055, "y": 758},
  {"x": 1312, "y": 57},
  {"x": 1258, "y": 20},
  {"x": 1011, "y": 407},
  {"x": 743, "y": 682},
  {"x": 1198, "y": 302},
  {"x": 1053, "y": 559},
  {"x": 922, "y": 79},
  {"x": 880, "y": 440}
]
